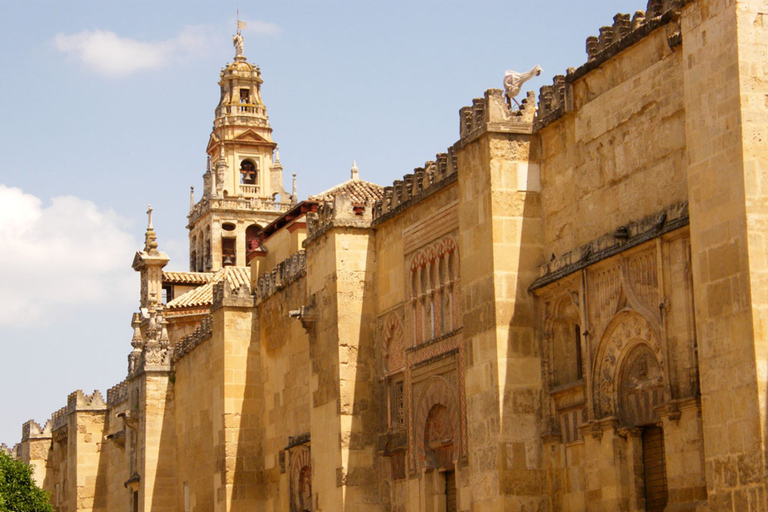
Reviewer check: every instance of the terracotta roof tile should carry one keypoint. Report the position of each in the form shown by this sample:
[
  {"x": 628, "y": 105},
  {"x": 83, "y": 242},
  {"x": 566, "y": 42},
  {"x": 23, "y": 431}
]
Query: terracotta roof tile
[
  {"x": 187, "y": 277},
  {"x": 357, "y": 190},
  {"x": 203, "y": 295}
]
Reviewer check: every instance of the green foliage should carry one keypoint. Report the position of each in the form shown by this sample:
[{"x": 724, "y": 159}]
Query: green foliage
[{"x": 18, "y": 492}]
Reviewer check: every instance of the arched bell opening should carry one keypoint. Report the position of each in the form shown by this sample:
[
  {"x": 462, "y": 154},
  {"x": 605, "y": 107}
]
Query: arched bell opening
[{"x": 248, "y": 172}]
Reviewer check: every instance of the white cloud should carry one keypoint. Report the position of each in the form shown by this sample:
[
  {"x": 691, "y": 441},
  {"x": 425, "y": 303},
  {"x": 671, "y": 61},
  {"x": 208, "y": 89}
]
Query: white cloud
[
  {"x": 264, "y": 27},
  {"x": 60, "y": 257},
  {"x": 110, "y": 55}
]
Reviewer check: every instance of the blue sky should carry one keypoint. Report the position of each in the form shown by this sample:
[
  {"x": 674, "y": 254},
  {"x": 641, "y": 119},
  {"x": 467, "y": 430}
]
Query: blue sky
[{"x": 107, "y": 106}]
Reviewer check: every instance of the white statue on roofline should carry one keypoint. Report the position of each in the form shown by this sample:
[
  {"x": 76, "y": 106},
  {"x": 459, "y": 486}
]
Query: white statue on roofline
[{"x": 513, "y": 82}]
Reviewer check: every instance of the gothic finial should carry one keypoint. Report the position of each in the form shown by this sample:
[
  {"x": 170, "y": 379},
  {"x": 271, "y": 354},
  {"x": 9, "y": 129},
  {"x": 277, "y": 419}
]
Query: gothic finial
[
  {"x": 150, "y": 238},
  {"x": 355, "y": 171},
  {"x": 277, "y": 156},
  {"x": 191, "y": 198},
  {"x": 293, "y": 193},
  {"x": 137, "y": 339}
]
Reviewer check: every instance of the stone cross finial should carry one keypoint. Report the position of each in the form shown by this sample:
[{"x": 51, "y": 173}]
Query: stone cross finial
[{"x": 150, "y": 239}]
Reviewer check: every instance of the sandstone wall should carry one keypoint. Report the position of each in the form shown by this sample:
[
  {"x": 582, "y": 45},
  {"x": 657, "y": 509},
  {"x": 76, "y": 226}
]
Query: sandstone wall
[
  {"x": 618, "y": 154},
  {"x": 285, "y": 372},
  {"x": 194, "y": 428}
]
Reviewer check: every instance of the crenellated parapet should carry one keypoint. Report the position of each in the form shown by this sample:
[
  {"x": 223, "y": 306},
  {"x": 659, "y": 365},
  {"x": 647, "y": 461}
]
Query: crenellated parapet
[
  {"x": 284, "y": 273},
  {"x": 414, "y": 187},
  {"x": 624, "y": 32},
  {"x": 202, "y": 333},
  {"x": 225, "y": 295},
  {"x": 341, "y": 211},
  {"x": 79, "y": 401},
  {"x": 32, "y": 430},
  {"x": 117, "y": 393},
  {"x": 76, "y": 402},
  {"x": 491, "y": 113},
  {"x": 59, "y": 419}
]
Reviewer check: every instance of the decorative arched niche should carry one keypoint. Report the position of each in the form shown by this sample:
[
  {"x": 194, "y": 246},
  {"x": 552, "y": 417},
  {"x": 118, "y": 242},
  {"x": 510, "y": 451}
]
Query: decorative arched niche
[
  {"x": 628, "y": 369},
  {"x": 301, "y": 480},
  {"x": 437, "y": 426},
  {"x": 563, "y": 326},
  {"x": 641, "y": 387}
]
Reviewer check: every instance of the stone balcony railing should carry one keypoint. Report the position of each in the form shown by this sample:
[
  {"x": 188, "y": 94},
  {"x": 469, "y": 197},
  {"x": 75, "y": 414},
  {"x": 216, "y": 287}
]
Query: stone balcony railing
[
  {"x": 243, "y": 108},
  {"x": 236, "y": 203},
  {"x": 250, "y": 190}
]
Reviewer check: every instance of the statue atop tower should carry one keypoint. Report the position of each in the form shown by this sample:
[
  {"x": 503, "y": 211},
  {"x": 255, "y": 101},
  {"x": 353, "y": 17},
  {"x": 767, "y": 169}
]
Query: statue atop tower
[{"x": 237, "y": 40}]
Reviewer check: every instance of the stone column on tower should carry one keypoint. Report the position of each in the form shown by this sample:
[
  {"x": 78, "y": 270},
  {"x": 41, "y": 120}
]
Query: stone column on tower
[{"x": 150, "y": 263}]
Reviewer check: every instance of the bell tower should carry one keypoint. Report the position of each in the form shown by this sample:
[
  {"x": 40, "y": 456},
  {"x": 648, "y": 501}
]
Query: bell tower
[{"x": 243, "y": 182}]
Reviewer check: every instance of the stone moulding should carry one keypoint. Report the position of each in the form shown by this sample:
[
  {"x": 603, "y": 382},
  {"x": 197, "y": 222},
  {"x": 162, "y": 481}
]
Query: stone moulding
[
  {"x": 203, "y": 332},
  {"x": 623, "y": 238},
  {"x": 297, "y": 440},
  {"x": 286, "y": 272},
  {"x": 235, "y": 204}
]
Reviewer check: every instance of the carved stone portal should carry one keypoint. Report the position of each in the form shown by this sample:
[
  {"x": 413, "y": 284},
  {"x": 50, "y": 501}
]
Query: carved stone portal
[
  {"x": 437, "y": 426},
  {"x": 627, "y": 331},
  {"x": 301, "y": 480},
  {"x": 641, "y": 388}
]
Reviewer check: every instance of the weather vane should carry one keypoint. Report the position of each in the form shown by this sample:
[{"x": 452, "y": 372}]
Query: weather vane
[{"x": 240, "y": 24}]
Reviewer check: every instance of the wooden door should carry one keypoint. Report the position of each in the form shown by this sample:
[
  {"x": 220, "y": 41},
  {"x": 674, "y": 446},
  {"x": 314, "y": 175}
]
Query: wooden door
[{"x": 654, "y": 468}]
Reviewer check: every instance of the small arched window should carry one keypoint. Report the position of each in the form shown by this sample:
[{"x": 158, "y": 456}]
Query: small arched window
[
  {"x": 252, "y": 237},
  {"x": 248, "y": 172}
]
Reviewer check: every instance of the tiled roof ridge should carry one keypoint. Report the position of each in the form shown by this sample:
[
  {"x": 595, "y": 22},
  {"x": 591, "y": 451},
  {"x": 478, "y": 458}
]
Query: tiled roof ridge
[
  {"x": 203, "y": 295},
  {"x": 174, "y": 276},
  {"x": 361, "y": 190}
]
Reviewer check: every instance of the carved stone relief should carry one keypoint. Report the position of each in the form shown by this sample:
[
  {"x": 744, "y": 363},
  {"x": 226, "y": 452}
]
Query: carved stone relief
[
  {"x": 627, "y": 331},
  {"x": 641, "y": 387},
  {"x": 437, "y": 425},
  {"x": 631, "y": 281},
  {"x": 393, "y": 346}
]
